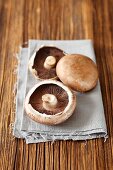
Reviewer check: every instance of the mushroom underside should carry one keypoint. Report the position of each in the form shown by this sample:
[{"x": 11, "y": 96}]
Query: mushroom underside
[
  {"x": 45, "y": 92},
  {"x": 40, "y": 58}
]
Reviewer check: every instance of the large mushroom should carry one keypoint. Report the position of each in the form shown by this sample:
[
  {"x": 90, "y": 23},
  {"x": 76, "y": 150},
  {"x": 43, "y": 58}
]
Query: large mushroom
[
  {"x": 43, "y": 62},
  {"x": 78, "y": 72},
  {"x": 50, "y": 102}
]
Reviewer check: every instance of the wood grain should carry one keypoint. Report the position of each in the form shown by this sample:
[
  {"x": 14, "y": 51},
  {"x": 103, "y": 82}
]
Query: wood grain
[{"x": 21, "y": 20}]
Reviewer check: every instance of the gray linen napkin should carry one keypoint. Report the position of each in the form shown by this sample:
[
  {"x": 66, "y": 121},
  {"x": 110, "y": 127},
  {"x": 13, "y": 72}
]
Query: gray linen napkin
[{"x": 88, "y": 120}]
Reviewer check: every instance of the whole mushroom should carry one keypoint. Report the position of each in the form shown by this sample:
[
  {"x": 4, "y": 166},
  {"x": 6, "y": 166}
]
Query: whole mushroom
[
  {"x": 50, "y": 102},
  {"x": 42, "y": 63},
  {"x": 78, "y": 72}
]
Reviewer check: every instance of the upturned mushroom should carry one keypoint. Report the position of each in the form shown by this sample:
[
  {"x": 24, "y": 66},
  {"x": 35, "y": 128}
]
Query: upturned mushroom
[
  {"x": 43, "y": 62},
  {"x": 50, "y": 102},
  {"x": 77, "y": 72}
]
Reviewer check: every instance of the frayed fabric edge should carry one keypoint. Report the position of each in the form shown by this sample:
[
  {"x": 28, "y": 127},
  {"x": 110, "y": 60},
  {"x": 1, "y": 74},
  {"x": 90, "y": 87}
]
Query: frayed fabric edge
[
  {"x": 40, "y": 139},
  {"x": 15, "y": 72}
]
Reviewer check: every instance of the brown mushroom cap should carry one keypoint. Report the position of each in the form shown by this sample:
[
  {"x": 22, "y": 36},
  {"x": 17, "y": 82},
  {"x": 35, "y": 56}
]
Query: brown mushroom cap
[
  {"x": 43, "y": 62},
  {"x": 77, "y": 72},
  {"x": 50, "y": 102}
]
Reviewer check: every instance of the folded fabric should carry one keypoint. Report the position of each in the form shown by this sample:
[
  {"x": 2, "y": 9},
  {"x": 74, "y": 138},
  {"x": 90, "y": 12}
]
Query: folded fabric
[{"x": 88, "y": 120}]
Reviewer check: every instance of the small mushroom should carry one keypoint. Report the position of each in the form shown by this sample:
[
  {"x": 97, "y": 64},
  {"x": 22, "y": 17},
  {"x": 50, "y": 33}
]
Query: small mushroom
[
  {"x": 77, "y": 72},
  {"x": 50, "y": 102},
  {"x": 43, "y": 62}
]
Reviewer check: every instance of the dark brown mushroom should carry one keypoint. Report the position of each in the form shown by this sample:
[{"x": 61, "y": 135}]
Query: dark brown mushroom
[
  {"x": 50, "y": 102},
  {"x": 77, "y": 72},
  {"x": 43, "y": 62}
]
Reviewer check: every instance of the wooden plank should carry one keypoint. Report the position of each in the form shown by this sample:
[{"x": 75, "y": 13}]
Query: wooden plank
[{"x": 45, "y": 19}]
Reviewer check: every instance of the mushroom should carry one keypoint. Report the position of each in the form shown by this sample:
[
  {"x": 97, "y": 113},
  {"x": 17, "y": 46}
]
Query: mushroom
[
  {"x": 43, "y": 62},
  {"x": 77, "y": 72},
  {"x": 50, "y": 102}
]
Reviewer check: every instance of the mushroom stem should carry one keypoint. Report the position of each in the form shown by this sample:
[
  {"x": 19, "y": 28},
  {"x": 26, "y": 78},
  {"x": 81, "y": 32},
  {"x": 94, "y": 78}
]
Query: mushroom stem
[
  {"x": 50, "y": 62},
  {"x": 49, "y": 101}
]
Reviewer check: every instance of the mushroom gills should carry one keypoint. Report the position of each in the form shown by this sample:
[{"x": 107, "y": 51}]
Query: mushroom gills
[
  {"x": 45, "y": 62},
  {"x": 49, "y": 99}
]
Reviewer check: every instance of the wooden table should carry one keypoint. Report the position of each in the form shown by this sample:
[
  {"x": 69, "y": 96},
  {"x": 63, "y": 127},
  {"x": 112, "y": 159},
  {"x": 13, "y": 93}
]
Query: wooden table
[{"x": 21, "y": 20}]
